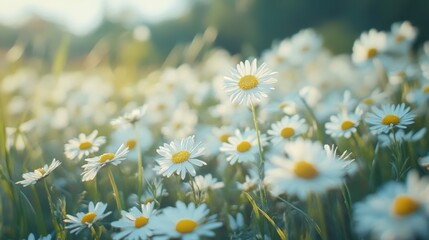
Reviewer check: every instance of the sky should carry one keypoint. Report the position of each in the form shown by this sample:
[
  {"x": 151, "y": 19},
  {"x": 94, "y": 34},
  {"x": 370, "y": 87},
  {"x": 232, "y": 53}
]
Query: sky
[{"x": 81, "y": 17}]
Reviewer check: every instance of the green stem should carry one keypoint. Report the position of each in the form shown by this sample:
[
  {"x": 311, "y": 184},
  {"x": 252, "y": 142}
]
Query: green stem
[
  {"x": 115, "y": 191},
  {"x": 261, "y": 168},
  {"x": 51, "y": 208},
  {"x": 140, "y": 164},
  {"x": 41, "y": 222},
  {"x": 94, "y": 233}
]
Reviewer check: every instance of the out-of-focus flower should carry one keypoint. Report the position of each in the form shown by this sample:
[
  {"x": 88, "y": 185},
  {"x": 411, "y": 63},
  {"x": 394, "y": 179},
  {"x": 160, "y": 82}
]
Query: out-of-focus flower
[
  {"x": 80, "y": 147},
  {"x": 287, "y": 129},
  {"x": 369, "y": 46},
  {"x": 342, "y": 125}
]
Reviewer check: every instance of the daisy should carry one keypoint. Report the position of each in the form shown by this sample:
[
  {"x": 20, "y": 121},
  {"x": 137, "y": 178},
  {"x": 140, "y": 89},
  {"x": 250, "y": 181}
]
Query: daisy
[
  {"x": 287, "y": 128},
  {"x": 249, "y": 83},
  {"x": 369, "y": 46},
  {"x": 129, "y": 118},
  {"x": 186, "y": 222},
  {"x": 400, "y": 136},
  {"x": 306, "y": 169},
  {"x": 243, "y": 147},
  {"x": 342, "y": 125},
  {"x": 84, "y": 145},
  {"x": 388, "y": 117},
  {"x": 135, "y": 224},
  {"x": 179, "y": 157},
  {"x": 216, "y": 138},
  {"x": 86, "y": 220},
  {"x": 130, "y": 138},
  {"x": 237, "y": 223},
  {"x": 38, "y": 174},
  {"x": 250, "y": 182},
  {"x": 181, "y": 124},
  {"x": 396, "y": 211},
  {"x": 204, "y": 183},
  {"x": 402, "y": 36},
  {"x": 32, "y": 237},
  {"x": 93, "y": 165}
]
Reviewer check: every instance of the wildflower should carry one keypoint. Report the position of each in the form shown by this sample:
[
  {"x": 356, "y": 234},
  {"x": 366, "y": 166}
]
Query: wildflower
[
  {"x": 179, "y": 157},
  {"x": 129, "y": 118},
  {"x": 287, "y": 128},
  {"x": 84, "y": 145},
  {"x": 135, "y": 224},
  {"x": 16, "y": 137},
  {"x": 204, "y": 183},
  {"x": 388, "y": 117},
  {"x": 242, "y": 147},
  {"x": 216, "y": 138},
  {"x": 400, "y": 136},
  {"x": 402, "y": 36},
  {"x": 342, "y": 125},
  {"x": 396, "y": 211},
  {"x": 32, "y": 237},
  {"x": 306, "y": 169},
  {"x": 86, "y": 220},
  {"x": 236, "y": 223},
  {"x": 186, "y": 222},
  {"x": 249, "y": 83},
  {"x": 369, "y": 46},
  {"x": 250, "y": 182},
  {"x": 93, "y": 165},
  {"x": 38, "y": 174},
  {"x": 181, "y": 124},
  {"x": 129, "y": 137}
]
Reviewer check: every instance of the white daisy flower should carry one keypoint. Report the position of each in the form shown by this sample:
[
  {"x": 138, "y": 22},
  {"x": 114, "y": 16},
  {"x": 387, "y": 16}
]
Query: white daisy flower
[
  {"x": 306, "y": 169},
  {"x": 86, "y": 220},
  {"x": 243, "y": 147},
  {"x": 287, "y": 128},
  {"x": 216, "y": 138},
  {"x": 82, "y": 146},
  {"x": 129, "y": 118},
  {"x": 400, "y": 136},
  {"x": 342, "y": 125},
  {"x": 186, "y": 222},
  {"x": 389, "y": 116},
  {"x": 397, "y": 211},
  {"x": 130, "y": 138},
  {"x": 236, "y": 223},
  {"x": 402, "y": 36},
  {"x": 206, "y": 182},
  {"x": 376, "y": 97},
  {"x": 32, "y": 237},
  {"x": 181, "y": 123},
  {"x": 93, "y": 165},
  {"x": 249, "y": 83},
  {"x": 38, "y": 174},
  {"x": 369, "y": 46},
  {"x": 179, "y": 157},
  {"x": 250, "y": 181},
  {"x": 135, "y": 224}
]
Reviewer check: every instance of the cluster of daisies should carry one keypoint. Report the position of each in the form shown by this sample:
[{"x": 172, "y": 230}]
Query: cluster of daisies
[{"x": 330, "y": 138}]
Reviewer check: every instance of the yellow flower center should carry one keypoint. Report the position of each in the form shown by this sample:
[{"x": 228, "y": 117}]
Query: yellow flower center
[
  {"x": 304, "y": 169},
  {"x": 180, "y": 156},
  {"x": 131, "y": 144},
  {"x": 85, "y": 145},
  {"x": 368, "y": 101},
  {"x": 426, "y": 89},
  {"x": 244, "y": 146},
  {"x": 282, "y": 105},
  {"x": 41, "y": 171},
  {"x": 287, "y": 132},
  {"x": 390, "y": 119},
  {"x": 399, "y": 38},
  {"x": 224, "y": 137},
  {"x": 404, "y": 205},
  {"x": 186, "y": 226},
  {"x": 141, "y": 221},
  {"x": 106, "y": 157},
  {"x": 347, "y": 124},
  {"x": 149, "y": 200},
  {"x": 372, "y": 52},
  {"x": 248, "y": 82},
  {"x": 88, "y": 218}
]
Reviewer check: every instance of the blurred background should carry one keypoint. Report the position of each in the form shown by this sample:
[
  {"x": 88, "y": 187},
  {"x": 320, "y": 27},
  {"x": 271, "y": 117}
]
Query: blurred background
[{"x": 151, "y": 29}]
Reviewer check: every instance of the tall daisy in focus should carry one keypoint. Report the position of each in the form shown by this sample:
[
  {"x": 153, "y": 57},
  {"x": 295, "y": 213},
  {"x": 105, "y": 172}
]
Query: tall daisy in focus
[
  {"x": 179, "y": 157},
  {"x": 388, "y": 117},
  {"x": 308, "y": 168},
  {"x": 86, "y": 220},
  {"x": 185, "y": 222},
  {"x": 135, "y": 224},
  {"x": 249, "y": 83},
  {"x": 93, "y": 165},
  {"x": 83, "y": 145},
  {"x": 397, "y": 211}
]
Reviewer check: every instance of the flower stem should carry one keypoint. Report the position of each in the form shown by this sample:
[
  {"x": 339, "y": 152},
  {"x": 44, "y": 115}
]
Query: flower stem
[
  {"x": 115, "y": 191},
  {"x": 140, "y": 164},
  {"x": 261, "y": 168},
  {"x": 51, "y": 208}
]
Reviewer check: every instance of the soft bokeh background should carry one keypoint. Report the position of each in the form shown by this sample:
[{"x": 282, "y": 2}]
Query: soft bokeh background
[{"x": 243, "y": 26}]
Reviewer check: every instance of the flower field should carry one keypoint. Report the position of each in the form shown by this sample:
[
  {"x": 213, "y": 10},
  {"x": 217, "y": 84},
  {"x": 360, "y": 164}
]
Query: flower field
[{"x": 293, "y": 143}]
